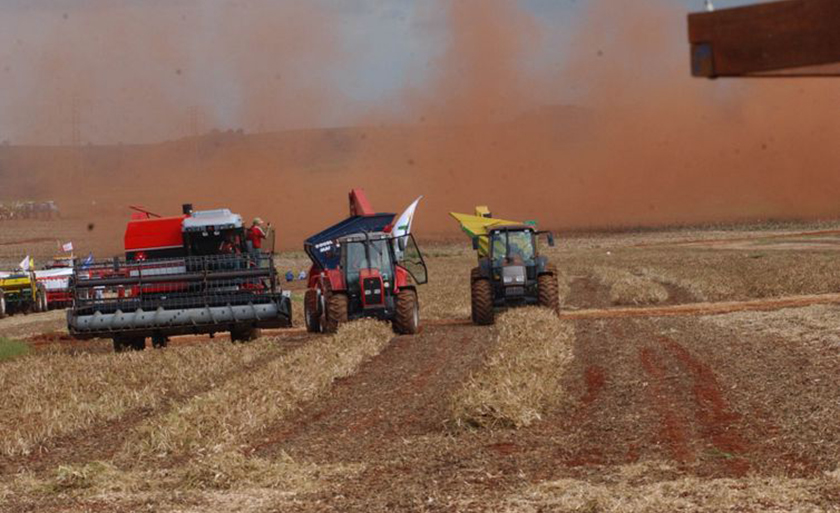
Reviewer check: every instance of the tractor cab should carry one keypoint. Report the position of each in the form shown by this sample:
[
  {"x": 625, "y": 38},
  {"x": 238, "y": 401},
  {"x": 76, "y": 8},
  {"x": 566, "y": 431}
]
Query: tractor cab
[{"x": 375, "y": 264}]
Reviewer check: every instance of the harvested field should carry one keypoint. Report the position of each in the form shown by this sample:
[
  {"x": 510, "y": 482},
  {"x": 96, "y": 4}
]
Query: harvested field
[{"x": 722, "y": 393}]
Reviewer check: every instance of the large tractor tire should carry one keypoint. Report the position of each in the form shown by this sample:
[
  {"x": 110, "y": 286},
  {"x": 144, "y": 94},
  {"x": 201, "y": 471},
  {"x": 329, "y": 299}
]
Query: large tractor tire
[
  {"x": 336, "y": 312},
  {"x": 244, "y": 333},
  {"x": 312, "y": 311},
  {"x": 549, "y": 296},
  {"x": 482, "y": 302},
  {"x": 2, "y": 305},
  {"x": 407, "y": 319}
]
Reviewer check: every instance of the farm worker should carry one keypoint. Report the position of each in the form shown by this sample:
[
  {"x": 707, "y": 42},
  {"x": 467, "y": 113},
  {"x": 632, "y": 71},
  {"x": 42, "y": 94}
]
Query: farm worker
[
  {"x": 302, "y": 275},
  {"x": 256, "y": 234},
  {"x": 290, "y": 276},
  {"x": 229, "y": 245}
]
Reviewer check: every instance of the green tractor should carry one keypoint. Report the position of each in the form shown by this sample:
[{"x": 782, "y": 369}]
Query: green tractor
[
  {"x": 21, "y": 293},
  {"x": 510, "y": 270}
]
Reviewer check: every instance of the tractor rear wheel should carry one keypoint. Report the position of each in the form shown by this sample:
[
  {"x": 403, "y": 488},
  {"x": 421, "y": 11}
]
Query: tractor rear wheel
[
  {"x": 482, "y": 302},
  {"x": 549, "y": 296},
  {"x": 2, "y": 305},
  {"x": 407, "y": 319},
  {"x": 312, "y": 311},
  {"x": 244, "y": 334},
  {"x": 336, "y": 312}
]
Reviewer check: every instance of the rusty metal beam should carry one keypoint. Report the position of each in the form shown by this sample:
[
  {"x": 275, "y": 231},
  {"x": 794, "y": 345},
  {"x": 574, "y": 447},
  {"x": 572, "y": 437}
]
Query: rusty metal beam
[{"x": 785, "y": 38}]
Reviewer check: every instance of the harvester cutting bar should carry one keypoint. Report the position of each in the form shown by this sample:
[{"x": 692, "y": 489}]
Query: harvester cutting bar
[{"x": 175, "y": 296}]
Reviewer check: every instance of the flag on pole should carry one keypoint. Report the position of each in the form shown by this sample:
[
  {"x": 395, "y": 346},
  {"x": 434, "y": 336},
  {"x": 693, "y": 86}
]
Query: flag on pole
[
  {"x": 403, "y": 224},
  {"x": 67, "y": 247},
  {"x": 87, "y": 261},
  {"x": 26, "y": 264}
]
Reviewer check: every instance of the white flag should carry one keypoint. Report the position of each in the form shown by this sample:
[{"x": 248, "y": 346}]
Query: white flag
[
  {"x": 67, "y": 247},
  {"x": 403, "y": 224},
  {"x": 26, "y": 264}
]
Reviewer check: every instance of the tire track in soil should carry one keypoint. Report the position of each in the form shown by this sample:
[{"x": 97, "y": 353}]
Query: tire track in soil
[
  {"x": 404, "y": 391},
  {"x": 718, "y": 423},
  {"x": 586, "y": 292},
  {"x": 101, "y": 441}
]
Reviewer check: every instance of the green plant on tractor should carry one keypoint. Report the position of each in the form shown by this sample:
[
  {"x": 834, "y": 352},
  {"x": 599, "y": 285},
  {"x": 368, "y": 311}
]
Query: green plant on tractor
[{"x": 510, "y": 270}]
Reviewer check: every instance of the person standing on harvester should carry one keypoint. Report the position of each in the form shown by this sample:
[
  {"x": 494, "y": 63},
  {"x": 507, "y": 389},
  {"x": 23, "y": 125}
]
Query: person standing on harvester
[{"x": 256, "y": 234}]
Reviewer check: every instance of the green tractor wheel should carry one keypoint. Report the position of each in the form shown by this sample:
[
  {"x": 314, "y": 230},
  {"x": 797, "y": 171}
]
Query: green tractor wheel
[
  {"x": 482, "y": 302},
  {"x": 548, "y": 294}
]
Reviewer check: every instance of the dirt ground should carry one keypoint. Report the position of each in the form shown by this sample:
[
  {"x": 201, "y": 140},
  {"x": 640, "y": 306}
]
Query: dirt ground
[{"x": 705, "y": 377}]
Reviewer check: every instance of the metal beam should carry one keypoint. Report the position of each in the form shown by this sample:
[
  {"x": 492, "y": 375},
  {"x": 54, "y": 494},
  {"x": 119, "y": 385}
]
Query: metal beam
[{"x": 785, "y": 38}]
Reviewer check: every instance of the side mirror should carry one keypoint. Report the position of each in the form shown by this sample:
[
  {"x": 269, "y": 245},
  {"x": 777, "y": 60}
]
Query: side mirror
[
  {"x": 475, "y": 243},
  {"x": 550, "y": 239}
]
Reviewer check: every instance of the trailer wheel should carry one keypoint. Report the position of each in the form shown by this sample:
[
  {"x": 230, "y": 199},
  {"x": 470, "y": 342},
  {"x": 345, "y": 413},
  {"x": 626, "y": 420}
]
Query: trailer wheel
[
  {"x": 336, "y": 312},
  {"x": 407, "y": 319},
  {"x": 2, "y": 305},
  {"x": 482, "y": 302},
  {"x": 244, "y": 333},
  {"x": 312, "y": 311},
  {"x": 549, "y": 296}
]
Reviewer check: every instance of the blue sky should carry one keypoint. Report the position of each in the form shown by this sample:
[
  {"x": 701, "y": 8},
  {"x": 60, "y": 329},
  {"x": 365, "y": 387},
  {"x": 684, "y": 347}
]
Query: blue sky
[{"x": 107, "y": 57}]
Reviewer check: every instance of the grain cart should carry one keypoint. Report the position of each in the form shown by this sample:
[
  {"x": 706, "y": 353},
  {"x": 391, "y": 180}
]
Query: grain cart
[
  {"x": 21, "y": 293},
  {"x": 361, "y": 269},
  {"x": 187, "y": 274},
  {"x": 510, "y": 270}
]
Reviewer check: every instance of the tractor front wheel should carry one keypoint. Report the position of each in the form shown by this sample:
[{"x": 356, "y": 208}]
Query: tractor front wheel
[
  {"x": 2, "y": 305},
  {"x": 312, "y": 311},
  {"x": 482, "y": 302},
  {"x": 407, "y": 319},
  {"x": 548, "y": 295},
  {"x": 336, "y": 312}
]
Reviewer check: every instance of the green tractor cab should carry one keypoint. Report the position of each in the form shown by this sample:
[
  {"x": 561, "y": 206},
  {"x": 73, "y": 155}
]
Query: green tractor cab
[{"x": 510, "y": 272}]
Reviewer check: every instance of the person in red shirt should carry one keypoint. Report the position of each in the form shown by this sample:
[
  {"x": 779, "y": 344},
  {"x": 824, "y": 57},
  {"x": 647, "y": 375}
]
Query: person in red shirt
[{"x": 256, "y": 234}]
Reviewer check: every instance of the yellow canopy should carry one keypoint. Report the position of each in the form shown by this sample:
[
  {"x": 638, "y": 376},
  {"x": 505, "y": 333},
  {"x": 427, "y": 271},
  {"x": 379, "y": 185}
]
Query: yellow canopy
[{"x": 476, "y": 226}]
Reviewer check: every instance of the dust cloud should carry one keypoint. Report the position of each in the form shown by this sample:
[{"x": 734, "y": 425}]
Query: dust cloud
[{"x": 610, "y": 131}]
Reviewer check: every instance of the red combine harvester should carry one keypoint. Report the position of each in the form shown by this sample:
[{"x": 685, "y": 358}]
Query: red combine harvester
[
  {"x": 360, "y": 269},
  {"x": 187, "y": 274}
]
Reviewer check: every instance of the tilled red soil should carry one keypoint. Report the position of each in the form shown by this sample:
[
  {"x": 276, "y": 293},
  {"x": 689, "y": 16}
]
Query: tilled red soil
[
  {"x": 670, "y": 386},
  {"x": 638, "y": 390}
]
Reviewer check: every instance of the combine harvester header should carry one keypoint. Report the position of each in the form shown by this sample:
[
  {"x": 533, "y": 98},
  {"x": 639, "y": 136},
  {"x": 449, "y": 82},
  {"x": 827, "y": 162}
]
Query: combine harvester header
[{"x": 187, "y": 274}]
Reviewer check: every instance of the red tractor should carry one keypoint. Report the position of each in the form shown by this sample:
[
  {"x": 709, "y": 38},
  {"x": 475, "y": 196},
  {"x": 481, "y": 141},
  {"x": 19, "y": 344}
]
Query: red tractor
[
  {"x": 361, "y": 269},
  {"x": 187, "y": 274}
]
